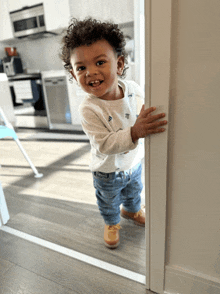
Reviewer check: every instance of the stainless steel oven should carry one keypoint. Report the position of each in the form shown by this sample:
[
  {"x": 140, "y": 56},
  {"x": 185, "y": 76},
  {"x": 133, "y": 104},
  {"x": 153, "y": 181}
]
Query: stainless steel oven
[{"x": 28, "y": 20}]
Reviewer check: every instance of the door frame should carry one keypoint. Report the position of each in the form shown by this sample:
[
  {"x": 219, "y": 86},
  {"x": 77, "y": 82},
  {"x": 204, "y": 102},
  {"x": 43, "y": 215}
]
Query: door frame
[{"x": 157, "y": 89}]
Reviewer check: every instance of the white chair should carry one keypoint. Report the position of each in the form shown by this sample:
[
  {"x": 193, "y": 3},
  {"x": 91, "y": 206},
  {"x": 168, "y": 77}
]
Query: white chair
[
  {"x": 4, "y": 215},
  {"x": 7, "y": 130}
]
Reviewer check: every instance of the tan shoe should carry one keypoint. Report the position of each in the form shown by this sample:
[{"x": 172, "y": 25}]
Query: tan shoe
[
  {"x": 138, "y": 217},
  {"x": 111, "y": 236}
]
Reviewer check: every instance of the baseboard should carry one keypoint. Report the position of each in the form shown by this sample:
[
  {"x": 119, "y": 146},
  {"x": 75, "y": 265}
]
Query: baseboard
[{"x": 180, "y": 280}]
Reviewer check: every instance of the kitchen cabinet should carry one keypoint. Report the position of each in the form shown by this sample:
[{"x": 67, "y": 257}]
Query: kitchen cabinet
[
  {"x": 117, "y": 11},
  {"x": 56, "y": 11},
  {"x": 5, "y": 99},
  {"x": 6, "y": 30},
  {"x": 18, "y": 4},
  {"x": 56, "y": 15},
  {"x": 5, "y": 22}
]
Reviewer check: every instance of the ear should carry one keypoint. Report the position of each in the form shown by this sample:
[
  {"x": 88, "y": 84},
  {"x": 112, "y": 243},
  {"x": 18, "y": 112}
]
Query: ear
[{"x": 120, "y": 65}]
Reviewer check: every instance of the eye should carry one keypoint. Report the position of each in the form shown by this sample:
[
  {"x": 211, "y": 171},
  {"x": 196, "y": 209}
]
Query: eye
[
  {"x": 100, "y": 62},
  {"x": 80, "y": 68}
]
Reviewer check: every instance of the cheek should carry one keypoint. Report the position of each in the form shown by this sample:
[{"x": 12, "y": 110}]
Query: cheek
[
  {"x": 79, "y": 78},
  {"x": 81, "y": 81}
]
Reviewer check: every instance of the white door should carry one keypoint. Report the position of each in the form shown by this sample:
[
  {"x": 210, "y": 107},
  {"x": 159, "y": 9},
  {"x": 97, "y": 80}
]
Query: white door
[{"x": 183, "y": 74}]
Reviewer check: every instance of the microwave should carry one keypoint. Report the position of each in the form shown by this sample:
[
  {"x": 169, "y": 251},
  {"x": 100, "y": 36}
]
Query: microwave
[{"x": 28, "y": 21}]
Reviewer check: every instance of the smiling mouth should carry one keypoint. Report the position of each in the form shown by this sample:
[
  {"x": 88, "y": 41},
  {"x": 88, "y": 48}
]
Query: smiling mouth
[{"x": 95, "y": 83}]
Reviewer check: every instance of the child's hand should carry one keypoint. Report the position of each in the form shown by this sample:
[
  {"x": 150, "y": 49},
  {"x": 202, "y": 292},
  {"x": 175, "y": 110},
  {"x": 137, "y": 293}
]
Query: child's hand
[{"x": 146, "y": 124}]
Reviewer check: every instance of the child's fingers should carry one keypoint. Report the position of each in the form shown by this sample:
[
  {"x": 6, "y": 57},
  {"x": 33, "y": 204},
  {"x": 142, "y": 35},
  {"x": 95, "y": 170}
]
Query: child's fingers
[
  {"x": 157, "y": 124},
  {"x": 154, "y": 131},
  {"x": 142, "y": 109},
  {"x": 147, "y": 111},
  {"x": 150, "y": 109},
  {"x": 154, "y": 117}
]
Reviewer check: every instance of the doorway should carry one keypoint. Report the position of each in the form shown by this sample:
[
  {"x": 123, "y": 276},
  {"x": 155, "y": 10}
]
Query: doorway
[{"x": 134, "y": 240}]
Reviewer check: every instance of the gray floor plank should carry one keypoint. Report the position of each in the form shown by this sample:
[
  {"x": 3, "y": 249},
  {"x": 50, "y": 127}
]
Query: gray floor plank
[
  {"x": 79, "y": 227},
  {"x": 61, "y": 207},
  {"x": 18, "y": 280},
  {"x": 60, "y": 269},
  {"x": 4, "y": 266}
]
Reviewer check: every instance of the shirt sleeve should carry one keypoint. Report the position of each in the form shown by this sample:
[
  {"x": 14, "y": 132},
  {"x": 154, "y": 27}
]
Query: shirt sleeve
[{"x": 102, "y": 138}]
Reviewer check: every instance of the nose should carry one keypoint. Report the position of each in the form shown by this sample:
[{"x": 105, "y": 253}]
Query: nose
[{"x": 91, "y": 70}]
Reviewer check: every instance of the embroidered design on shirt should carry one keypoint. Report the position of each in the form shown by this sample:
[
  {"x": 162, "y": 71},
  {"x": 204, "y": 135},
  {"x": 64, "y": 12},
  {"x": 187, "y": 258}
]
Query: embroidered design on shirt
[
  {"x": 127, "y": 115},
  {"x": 130, "y": 95},
  {"x": 109, "y": 118}
]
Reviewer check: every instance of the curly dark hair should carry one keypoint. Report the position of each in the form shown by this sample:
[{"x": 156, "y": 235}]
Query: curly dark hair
[{"x": 88, "y": 31}]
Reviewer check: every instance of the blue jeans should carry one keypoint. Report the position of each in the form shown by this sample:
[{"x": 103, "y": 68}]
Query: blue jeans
[{"x": 114, "y": 189}]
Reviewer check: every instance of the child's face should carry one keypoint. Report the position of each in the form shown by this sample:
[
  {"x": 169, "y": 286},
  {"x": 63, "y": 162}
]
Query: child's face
[{"x": 96, "y": 67}]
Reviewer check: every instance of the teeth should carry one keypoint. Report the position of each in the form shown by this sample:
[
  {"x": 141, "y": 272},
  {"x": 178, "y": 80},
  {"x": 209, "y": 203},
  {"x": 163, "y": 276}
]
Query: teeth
[{"x": 94, "y": 82}]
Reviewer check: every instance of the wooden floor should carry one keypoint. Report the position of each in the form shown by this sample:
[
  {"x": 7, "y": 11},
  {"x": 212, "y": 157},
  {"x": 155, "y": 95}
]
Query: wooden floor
[{"x": 59, "y": 208}]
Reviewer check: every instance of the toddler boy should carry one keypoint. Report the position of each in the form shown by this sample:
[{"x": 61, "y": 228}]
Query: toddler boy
[{"x": 94, "y": 53}]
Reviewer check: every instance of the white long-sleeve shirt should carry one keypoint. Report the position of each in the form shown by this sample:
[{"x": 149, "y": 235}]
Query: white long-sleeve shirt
[{"x": 108, "y": 124}]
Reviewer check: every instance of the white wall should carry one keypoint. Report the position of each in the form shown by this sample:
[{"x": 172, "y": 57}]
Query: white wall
[
  {"x": 6, "y": 101},
  {"x": 183, "y": 219},
  {"x": 39, "y": 54},
  {"x": 193, "y": 204}
]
